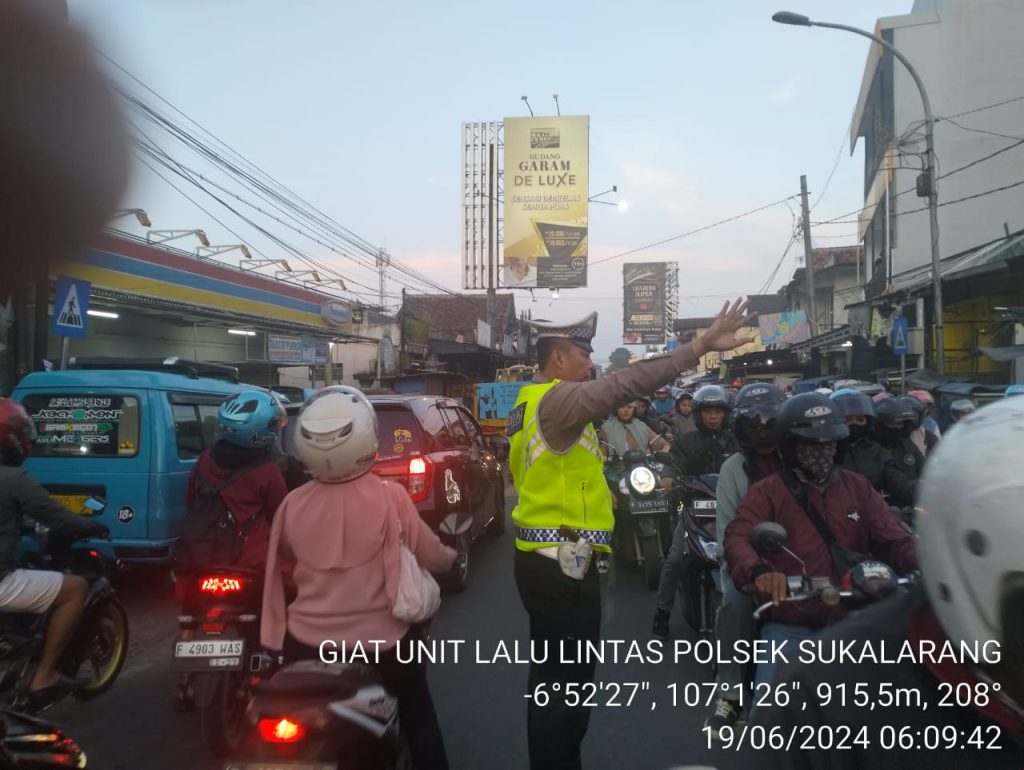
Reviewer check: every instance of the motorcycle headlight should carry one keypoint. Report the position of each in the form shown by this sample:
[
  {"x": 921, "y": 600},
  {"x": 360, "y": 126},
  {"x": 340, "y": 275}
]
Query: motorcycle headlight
[
  {"x": 711, "y": 549},
  {"x": 623, "y": 487},
  {"x": 642, "y": 480}
]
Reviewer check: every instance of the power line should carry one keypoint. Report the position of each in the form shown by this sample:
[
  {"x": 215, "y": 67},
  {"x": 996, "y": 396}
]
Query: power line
[
  {"x": 692, "y": 232},
  {"x": 986, "y": 107},
  {"x": 792, "y": 240},
  {"x": 840, "y": 218},
  {"x": 835, "y": 165}
]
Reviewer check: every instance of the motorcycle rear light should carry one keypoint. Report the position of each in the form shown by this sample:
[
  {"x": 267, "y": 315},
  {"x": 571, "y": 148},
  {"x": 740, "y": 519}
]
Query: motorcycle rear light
[
  {"x": 281, "y": 730},
  {"x": 213, "y": 628},
  {"x": 218, "y": 585}
]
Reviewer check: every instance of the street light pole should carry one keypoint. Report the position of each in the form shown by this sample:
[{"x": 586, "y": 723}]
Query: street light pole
[{"x": 786, "y": 17}]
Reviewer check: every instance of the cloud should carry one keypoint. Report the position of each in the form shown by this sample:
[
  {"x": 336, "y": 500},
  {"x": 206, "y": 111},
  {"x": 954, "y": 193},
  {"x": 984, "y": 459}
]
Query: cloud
[{"x": 784, "y": 93}]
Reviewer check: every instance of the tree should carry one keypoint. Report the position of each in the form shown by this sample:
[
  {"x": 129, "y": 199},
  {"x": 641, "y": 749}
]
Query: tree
[{"x": 619, "y": 359}]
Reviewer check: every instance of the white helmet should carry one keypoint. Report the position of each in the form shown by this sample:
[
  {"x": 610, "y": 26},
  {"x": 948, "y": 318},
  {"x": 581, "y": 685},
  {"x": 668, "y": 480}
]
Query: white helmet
[
  {"x": 336, "y": 437},
  {"x": 971, "y": 529}
]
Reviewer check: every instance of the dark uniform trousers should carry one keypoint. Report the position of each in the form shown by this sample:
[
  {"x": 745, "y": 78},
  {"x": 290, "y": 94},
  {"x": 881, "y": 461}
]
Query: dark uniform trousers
[{"x": 560, "y": 608}]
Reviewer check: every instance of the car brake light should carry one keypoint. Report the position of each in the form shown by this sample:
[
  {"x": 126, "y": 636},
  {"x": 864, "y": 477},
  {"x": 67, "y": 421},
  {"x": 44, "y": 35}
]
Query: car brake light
[
  {"x": 281, "y": 730},
  {"x": 419, "y": 478},
  {"x": 220, "y": 585}
]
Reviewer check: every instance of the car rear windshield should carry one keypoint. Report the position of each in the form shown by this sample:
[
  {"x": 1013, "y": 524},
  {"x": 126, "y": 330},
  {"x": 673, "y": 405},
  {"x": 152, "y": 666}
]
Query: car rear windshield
[
  {"x": 87, "y": 425},
  {"x": 398, "y": 433}
]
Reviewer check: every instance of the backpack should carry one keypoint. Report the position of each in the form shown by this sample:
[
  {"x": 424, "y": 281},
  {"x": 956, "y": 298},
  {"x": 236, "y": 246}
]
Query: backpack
[{"x": 210, "y": 535}]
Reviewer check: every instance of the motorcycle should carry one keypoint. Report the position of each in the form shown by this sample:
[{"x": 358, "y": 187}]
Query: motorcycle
[
  {"x": 643, "y": 513},
  {"x": 700, "y": 586},
  {"x": 310, "y": 715},
  {"x": 218, "y": 628},
  {"x": 97, "y": 648},
  {"x": 866, "y": 582},
  {"x": 29, "y": 743}
]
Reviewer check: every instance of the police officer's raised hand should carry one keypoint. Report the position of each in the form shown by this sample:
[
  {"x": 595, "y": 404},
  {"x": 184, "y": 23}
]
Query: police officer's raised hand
[
  {"x": 722, "y": 335},
  {"x": 772, "y": 585}
]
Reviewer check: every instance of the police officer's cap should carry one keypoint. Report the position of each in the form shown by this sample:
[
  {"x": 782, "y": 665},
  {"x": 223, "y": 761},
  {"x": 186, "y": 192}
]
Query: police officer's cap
[{"x": 579, "y": 333}]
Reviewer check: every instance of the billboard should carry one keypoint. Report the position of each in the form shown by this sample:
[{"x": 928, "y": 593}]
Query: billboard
[
  {"x": 546, "y": 179},
  {"x": 784, "y": 328},
  {"x": 297, "y": 350},
  {"x": 644, "y": 292}
]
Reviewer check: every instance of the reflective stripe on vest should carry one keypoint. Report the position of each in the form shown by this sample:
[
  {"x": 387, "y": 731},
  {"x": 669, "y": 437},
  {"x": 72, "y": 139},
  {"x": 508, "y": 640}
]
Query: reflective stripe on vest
[{"x": 557, "y": 487}]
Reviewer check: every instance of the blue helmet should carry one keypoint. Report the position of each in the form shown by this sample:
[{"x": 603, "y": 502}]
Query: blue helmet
[
  {"x": 251, "y": 419},
  {"x": 1014, "y": 390}
]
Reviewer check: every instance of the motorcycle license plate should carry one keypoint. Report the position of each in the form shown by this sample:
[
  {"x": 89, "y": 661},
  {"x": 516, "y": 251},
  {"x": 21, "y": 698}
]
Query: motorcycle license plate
[
  {"x": 656, "y": 505},
  {"x": 208, "y": 655},
  {"x": 281, "y": 766},
  {"x": 704, "y": 504}
]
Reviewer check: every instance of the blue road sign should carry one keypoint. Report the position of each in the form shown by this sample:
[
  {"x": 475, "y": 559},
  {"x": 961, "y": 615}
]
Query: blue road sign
[
  {"x": 70, "y": 307},
  {"x": 900, "y": 333}
]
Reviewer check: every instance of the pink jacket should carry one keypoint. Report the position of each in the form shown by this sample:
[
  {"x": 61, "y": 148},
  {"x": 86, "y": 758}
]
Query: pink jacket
[{"x": 342, "y": 542}]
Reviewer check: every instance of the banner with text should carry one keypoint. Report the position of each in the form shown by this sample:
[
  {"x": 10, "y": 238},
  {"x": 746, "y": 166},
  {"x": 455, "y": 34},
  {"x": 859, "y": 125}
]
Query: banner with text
[
  {"x": 297, "y": 350},
  {"x": 643, "y": 290},
  {"x": 546, "y": 189}
]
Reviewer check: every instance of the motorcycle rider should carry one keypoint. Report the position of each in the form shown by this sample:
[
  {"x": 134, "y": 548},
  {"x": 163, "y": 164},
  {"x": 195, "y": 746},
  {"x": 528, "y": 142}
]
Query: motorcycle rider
[
  {"x": 833, "y": 516},
  {"x": 647, "y": 415},
  {"x": 663, "y": 403},
  {"x": 340, "y": 534},
  {"x": 682, "y": 419},
  {"x": 972, "y": 593},
  {"x": 926, "y": 435},
  {"x": 960, "y": 409},
  {"x": 29, "y": 590},
  {"x": 622, "y": 432},
  {"x": 897, "y": 419},
  {"x": 244, "y": 465},
  {"x": 861, "y": 454},
  {"x": 698, "y": 452},
  {"x": 753, "y": 421}
]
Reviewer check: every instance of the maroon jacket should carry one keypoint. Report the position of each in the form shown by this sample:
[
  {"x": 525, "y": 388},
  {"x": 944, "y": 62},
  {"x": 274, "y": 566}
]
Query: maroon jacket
[
  {"x": 258, "y": 491},
  {"x": 857, "y": 516}
]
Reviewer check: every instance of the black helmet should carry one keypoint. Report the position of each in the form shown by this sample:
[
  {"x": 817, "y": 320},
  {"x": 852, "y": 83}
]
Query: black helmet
[
  {"x": 899, "y": 409},
  {"x": 809, "y": 417},
  {"x": 852, "y": 403},
  {"x": 707, "y": 397},
  {"x": 757, "y": 402}
]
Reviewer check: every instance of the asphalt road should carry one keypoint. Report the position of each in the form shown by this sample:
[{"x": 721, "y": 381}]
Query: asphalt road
[{"x": 481, "y": 705}]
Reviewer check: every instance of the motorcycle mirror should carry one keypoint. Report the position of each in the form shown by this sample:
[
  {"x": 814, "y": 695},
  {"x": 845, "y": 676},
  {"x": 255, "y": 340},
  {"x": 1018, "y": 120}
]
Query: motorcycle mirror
[{"x": 768, "y": 537}]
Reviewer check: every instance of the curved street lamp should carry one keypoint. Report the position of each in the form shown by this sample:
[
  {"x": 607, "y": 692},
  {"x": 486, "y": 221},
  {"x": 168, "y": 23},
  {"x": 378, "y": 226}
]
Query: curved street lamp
[{"x": 796, "y": 19}]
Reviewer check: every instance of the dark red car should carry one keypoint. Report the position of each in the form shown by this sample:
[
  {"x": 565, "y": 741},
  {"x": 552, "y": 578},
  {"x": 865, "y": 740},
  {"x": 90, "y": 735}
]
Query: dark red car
[{"x": 434, "y": 447}]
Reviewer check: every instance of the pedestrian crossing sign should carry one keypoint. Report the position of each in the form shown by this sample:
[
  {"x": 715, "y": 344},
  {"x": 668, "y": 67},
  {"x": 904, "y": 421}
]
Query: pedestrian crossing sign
[
  {"x": 900, "y": 333},
  {"x": 70, "y": 307}
]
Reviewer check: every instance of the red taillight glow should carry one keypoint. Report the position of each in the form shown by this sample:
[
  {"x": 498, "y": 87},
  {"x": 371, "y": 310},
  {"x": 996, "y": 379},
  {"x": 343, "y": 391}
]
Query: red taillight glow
[
  {"x": 419, "y": 478},
  {"x": 414, "y": 473},
  {"x": 220, "y": 585},
  {"x": 282, "y": 730}
]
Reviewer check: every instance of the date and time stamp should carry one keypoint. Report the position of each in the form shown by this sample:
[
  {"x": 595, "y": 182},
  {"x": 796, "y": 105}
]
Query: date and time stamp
[{"x": 796, "y": 698}]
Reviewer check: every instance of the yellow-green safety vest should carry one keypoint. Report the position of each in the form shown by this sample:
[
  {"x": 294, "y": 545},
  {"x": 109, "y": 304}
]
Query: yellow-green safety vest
[{"x": 556, "y": 488}]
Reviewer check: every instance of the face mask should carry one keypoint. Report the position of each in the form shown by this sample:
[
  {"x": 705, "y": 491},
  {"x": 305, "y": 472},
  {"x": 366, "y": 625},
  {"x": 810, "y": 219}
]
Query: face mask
[
  {"x": 816, "y": 460},
  {"x": 858, "y": 432},
  {"x": 907, "y": 429}
]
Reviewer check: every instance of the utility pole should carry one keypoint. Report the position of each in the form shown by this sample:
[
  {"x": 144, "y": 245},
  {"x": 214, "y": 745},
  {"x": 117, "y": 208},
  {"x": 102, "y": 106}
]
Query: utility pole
[
  {"x": 492, "y": 236},
  {"x": 812, "y": 316}
]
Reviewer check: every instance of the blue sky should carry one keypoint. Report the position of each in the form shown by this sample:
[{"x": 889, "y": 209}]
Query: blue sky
[{"x": 699, "y": 112}]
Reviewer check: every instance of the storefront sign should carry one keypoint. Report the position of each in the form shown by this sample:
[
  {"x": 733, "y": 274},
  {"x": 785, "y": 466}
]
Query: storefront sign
[
  {"x": 297, "y": 350},
  {"x": 336, "y": 313}
]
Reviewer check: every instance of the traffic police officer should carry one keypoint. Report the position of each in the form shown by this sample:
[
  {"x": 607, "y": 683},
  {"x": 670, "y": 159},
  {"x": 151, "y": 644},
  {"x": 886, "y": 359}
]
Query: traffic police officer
[{"x": 564, "y": 507}]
